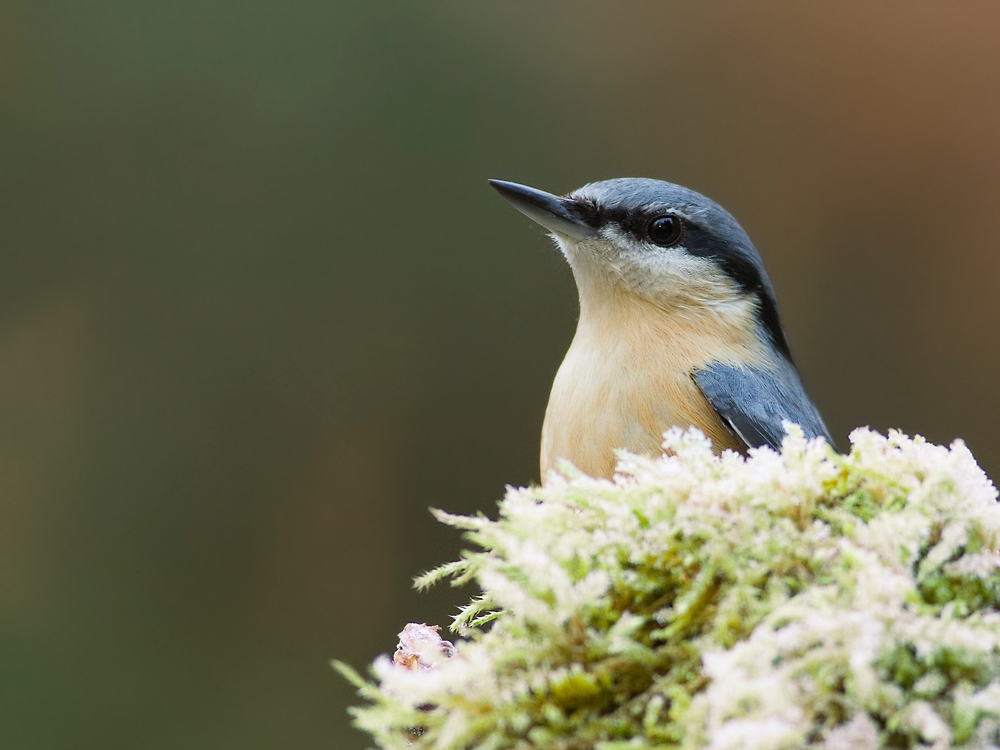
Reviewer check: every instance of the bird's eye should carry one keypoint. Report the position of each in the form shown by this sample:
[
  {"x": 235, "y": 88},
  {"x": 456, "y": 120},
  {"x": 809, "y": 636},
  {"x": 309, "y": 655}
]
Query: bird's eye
[{"x": 664, "y": 230}]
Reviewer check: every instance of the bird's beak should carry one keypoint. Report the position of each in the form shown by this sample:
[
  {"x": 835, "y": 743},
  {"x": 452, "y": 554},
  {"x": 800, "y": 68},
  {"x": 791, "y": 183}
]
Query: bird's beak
[{"x": 551, "y": 211}]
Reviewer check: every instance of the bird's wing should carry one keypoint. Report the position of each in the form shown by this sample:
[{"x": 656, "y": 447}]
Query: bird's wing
[{"x": 753, "y": 401}]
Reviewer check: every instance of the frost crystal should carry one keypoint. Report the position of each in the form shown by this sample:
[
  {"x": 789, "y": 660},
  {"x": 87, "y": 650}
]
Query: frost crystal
[{"x": 795, "y": 600}]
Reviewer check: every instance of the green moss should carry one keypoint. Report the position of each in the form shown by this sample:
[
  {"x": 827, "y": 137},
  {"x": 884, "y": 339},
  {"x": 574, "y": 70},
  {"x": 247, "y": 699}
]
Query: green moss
[{"x": 793, "y": 600}]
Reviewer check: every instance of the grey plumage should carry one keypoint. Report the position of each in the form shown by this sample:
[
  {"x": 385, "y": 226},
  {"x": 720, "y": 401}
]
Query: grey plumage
[{"x": 754, "y": 402}]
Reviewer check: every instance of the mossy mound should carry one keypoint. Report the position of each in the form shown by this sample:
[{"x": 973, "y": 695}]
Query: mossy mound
[{"x": 800, "y": 599}]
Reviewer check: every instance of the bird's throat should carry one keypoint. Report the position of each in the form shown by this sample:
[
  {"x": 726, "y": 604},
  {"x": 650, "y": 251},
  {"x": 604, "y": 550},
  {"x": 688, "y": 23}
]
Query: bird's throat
[{"x": 627, "y": 378}]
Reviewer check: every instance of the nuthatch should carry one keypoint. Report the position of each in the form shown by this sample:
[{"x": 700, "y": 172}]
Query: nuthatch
[{"x": 678, "y": 326}]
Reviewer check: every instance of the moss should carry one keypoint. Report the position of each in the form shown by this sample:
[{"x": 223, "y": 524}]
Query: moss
[{"x": 800, "y": 599}]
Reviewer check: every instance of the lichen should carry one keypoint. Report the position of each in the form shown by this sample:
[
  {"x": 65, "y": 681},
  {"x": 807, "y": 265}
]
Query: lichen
[{"x": 782, "y": 600}]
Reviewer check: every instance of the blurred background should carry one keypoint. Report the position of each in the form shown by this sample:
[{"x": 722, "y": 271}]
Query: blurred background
[{"x": 259, "y": 309}]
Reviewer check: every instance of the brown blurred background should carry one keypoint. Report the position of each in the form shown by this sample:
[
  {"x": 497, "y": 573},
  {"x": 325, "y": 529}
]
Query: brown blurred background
[{"x": 259, "y": 309}]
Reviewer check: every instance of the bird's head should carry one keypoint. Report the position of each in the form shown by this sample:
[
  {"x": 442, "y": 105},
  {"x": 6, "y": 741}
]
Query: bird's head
[{"x": 656, "y": 241}]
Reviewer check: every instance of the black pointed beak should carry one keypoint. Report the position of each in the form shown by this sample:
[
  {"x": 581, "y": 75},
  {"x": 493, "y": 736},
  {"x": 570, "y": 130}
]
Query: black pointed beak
[{"x": 551, "y": 211}]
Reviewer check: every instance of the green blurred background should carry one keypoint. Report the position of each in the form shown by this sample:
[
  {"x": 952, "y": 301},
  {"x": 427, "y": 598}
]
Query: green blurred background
[{"x": 259, "y": 309}]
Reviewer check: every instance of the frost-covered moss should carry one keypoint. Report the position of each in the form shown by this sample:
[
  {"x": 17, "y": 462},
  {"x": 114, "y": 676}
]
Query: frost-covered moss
[{"x": 805, "y": 599}]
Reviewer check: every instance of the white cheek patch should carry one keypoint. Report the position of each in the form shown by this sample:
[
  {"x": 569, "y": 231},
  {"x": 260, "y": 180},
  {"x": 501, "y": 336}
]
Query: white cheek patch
[
  {"x": 615, "y": 236},
  {"x": 591, "y": 258},
  {"x": 669, "y": 273}
]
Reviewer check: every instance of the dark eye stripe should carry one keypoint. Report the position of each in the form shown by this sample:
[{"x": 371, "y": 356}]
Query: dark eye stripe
[{"x": 632, "y": 222}]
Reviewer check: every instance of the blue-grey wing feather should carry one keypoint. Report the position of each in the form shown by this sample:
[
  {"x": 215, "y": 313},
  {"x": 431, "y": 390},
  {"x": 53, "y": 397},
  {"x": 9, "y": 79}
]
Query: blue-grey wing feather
[{"x": 753, "y": 401}]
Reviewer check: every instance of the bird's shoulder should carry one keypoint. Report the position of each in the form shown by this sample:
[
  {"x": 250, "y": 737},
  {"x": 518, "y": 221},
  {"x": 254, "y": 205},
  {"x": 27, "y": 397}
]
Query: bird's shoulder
[{"x": 754, "y": 400}]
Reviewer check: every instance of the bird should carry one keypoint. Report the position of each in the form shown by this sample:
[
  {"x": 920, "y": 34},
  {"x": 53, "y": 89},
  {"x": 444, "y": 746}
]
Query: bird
[{"x": 678, "y": 326}]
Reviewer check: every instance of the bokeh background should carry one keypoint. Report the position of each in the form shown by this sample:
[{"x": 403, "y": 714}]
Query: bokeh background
[{"x": 259, "y": 309}]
